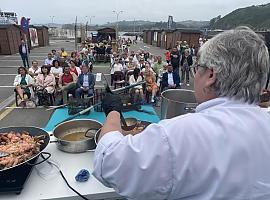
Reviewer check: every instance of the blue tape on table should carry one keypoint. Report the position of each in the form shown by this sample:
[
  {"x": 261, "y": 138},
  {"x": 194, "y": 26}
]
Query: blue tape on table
[
  {"x": 82, "y": 176},
  {"x": 62, "y": 113}
]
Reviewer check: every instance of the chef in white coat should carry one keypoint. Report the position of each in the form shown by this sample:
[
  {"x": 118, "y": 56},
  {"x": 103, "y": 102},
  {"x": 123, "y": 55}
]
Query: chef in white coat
[{"x": 221, "y": 152}]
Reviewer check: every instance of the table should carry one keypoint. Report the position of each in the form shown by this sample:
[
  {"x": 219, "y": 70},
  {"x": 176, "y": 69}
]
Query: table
[
  {"x": 61, "y": 114},
  {"x": 54, "y": 186}
]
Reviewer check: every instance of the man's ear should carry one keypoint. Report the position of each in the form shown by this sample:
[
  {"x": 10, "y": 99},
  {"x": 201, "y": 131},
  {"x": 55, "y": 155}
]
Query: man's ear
[{"x": 211, "y": 77}]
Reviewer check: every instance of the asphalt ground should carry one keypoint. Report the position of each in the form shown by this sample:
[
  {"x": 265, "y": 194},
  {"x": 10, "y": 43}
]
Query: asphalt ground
[{"x": 11, "y": 116}]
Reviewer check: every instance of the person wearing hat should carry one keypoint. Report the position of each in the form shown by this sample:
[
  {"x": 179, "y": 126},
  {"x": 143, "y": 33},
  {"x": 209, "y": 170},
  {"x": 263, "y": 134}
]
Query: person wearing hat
[{"x": 220, "y": 152}]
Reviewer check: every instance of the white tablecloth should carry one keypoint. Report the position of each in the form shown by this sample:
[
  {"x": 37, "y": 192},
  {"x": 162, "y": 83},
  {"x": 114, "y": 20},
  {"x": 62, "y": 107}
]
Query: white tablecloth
[{"x": 54, "y": 187}]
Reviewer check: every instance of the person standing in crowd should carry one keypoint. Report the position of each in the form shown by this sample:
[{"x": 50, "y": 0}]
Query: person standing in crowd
[
  {"x": 24, "y": 52},
  {"x": 23, "y": 84},
  {"x": 175, "y": 60},
  {"x": 67, "y": 83},
  {"x": 85, "y": 83},
  {"x": 219, "y": 152},
  {"x": 168, "y": 56},
  {"x": 186, "y": 62},
  {"x": 170, "y": 79},
  {"x": 49, "y": 60}
]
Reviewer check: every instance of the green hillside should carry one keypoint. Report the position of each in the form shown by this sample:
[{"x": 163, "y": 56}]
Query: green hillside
[{"x": 256, "y": 17}]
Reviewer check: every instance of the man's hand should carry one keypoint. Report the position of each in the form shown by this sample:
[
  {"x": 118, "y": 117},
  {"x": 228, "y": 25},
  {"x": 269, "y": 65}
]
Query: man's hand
[
  {"x": 111, "y": 102},
  {"x": 265, "y": 96}
]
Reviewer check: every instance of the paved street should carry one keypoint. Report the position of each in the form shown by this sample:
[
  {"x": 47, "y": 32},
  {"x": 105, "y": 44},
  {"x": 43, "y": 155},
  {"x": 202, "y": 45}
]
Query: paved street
[{"x": 39, "y": 116}]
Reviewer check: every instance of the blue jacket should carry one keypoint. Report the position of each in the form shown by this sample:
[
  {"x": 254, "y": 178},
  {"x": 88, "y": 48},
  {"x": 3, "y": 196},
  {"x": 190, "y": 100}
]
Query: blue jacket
[
  {"x": 176, "y": 80},
  {"x": 91, "y": 80}
]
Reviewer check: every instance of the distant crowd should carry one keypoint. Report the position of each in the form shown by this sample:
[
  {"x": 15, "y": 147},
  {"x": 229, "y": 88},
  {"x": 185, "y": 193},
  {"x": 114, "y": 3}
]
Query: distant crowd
[{"x": 70, "y": 74}]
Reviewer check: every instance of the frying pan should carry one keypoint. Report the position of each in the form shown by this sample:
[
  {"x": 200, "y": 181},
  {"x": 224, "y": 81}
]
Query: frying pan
[{"x": 33, "y": 131}]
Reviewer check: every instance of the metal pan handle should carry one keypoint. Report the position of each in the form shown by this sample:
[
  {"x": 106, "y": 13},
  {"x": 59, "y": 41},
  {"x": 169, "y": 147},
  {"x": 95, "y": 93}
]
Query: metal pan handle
[
  {"x": 85, "y": 134},
  {"x": 43, "y": 157}
]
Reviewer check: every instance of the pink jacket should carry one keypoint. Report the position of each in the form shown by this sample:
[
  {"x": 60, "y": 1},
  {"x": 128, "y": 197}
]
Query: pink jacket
[{"x": 48, "y": 82}]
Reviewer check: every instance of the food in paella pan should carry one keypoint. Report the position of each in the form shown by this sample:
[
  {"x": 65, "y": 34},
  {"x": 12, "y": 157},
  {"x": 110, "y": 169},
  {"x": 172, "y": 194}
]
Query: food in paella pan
[
  {"x": 19, "y": 146},
  {"x": 139, "y": 128}
]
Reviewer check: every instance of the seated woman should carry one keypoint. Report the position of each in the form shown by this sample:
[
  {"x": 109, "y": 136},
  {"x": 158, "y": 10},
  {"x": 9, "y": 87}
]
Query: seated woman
[
  {"x": 45, "y": 85},
  {"x": 117, "y": 66},
  {"x": 23, "y": 84},
  {"x": 138, "y": 90},
  {"x": 56, "y": 70},
  {"x": 147, "y": 68},
  {"x": 73, "y": 68},
  {"x": 151, "y": 85}
]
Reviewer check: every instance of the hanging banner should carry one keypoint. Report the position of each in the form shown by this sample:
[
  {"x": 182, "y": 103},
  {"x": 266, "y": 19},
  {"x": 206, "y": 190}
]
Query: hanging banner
[{"x": 33, "y": 37}]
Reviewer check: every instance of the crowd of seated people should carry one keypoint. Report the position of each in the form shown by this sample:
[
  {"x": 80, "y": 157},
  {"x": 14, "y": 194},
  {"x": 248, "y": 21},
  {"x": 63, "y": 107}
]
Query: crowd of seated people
[
  {"x": 55, "y": 77},
  {"x": 136, "y": 67},
  {"x": 98, "y": 52},
  {"x": 63, "y": 74}
]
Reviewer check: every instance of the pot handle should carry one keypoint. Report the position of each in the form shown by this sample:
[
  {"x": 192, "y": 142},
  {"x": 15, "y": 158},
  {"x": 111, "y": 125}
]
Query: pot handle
[
  {"x": 85, "y": 134},
  {"x": 190, "y": 107},
  {"x": 43, "y": 157}
]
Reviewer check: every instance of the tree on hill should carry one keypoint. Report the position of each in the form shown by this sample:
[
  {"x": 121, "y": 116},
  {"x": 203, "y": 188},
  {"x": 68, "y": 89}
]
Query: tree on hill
[{"x": 256, "y": 17}]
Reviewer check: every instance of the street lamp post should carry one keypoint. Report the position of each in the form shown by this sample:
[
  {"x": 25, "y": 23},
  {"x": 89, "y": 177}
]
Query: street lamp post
[
  {"x": 52, "y": 31},
  {"x": 52, "y": 17},
  {"x": 117, "y": 18},
  {"x": 90, "y": 22}
]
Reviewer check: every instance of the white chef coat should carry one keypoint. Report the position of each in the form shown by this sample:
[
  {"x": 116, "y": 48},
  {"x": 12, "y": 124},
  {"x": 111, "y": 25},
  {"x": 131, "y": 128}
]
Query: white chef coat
[{"x": 221, "y": 152}]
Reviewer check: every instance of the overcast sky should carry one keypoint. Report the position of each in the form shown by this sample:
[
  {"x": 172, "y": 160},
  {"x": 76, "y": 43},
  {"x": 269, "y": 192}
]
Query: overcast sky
[{"x": 154, "y": 10}]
